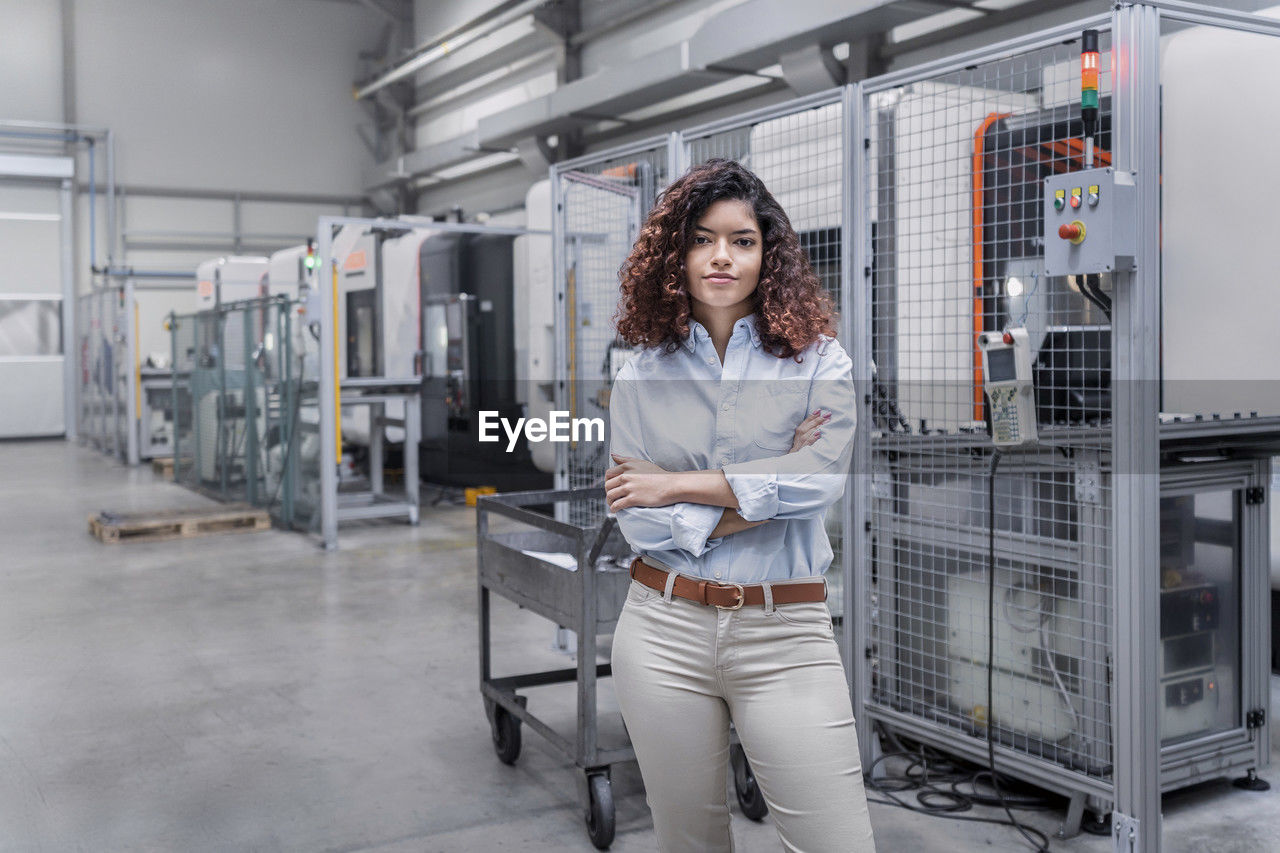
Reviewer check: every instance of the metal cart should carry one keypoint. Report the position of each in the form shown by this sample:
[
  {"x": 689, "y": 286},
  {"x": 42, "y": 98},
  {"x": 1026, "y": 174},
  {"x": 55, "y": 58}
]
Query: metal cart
[{"x": 587, "y": 600}]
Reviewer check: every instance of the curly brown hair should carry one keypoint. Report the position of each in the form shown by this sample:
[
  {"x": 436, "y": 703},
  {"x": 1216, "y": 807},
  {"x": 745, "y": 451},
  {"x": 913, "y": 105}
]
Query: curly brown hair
[{"x": 792, "y": 310}]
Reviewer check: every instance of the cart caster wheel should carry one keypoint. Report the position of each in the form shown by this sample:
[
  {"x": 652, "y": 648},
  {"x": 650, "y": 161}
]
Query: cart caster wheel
[
  {"x": 600, "y": 815},
  {"x": 506, "y": 734},
  {"x": 750, "y": 800}
]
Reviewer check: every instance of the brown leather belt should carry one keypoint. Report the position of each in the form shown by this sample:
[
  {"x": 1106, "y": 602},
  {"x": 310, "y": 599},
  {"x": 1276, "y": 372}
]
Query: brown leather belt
[{"x": 728, "y": 596}]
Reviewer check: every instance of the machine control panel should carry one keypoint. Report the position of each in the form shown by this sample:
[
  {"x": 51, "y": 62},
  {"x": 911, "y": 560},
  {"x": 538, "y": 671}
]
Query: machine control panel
[
  {"x": 1010, "y": 390},
  {"x": 1089, "y": 222}
]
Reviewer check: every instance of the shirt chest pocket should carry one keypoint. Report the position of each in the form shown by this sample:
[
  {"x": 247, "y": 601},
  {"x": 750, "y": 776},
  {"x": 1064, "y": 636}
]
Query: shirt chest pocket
[{"x": 777, "y": 409}]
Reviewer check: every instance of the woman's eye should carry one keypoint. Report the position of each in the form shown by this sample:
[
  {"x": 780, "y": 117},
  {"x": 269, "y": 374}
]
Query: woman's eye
[{"x": 746, "y": 242}]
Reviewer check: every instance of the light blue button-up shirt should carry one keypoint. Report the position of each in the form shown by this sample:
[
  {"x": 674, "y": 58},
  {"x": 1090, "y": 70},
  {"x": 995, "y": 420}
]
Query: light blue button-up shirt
[{"x": 685, "y": 411}]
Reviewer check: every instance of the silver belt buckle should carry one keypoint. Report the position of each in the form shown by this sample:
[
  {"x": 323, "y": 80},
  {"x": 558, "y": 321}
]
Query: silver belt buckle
[{"x": 742, "y": 597}]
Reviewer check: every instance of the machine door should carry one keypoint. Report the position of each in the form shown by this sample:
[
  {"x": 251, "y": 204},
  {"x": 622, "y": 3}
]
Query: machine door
[
  {"x": 363, "y": 356},
  {"x": 1202, "y": 572}
]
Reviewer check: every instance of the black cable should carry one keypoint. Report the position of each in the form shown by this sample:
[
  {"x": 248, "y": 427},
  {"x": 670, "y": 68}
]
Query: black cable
[
  {"x": 1091, "y": 286},
  {"x": 1027, "y": 802},
  {"x": 1038, "y": 841},
  {"x": 950, "y": 810},
  {"x": 1087, "y": 293}
]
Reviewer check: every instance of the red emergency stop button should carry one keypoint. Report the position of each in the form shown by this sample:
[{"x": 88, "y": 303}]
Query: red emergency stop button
[{"x": 1073, "y": 231}]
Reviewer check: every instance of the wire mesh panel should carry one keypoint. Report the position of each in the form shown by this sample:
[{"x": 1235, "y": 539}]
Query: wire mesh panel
[
  {"x": 601, "y": 204},
  {"x": 797, "y": 150},
  {"x": 182, "y": 343},
  {"x": 238, "y": 402},
  {"x": 977, "y": 571},
  {"x": 104, "y": 365}
]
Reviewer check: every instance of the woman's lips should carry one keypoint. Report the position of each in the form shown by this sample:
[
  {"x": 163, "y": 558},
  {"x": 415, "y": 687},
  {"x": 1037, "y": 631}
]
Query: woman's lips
[{"x": 722, "y": 279}]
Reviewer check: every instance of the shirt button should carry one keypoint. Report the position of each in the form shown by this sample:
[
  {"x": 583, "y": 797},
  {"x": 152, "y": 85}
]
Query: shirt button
[
  {"x": 711, "y": 361},
  {"x": 717, "y": 576},
  {"x": 725, "y": 407}
]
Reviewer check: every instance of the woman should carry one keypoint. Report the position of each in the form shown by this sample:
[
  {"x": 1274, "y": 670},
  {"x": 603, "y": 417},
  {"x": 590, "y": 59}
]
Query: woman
[{"x": 731, "y": 437}]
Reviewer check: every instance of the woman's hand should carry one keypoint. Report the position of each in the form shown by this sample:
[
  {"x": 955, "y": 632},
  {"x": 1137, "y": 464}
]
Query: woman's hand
[
  {"x": 636, "y": 482},
  {"x": 810, "y": 430}
]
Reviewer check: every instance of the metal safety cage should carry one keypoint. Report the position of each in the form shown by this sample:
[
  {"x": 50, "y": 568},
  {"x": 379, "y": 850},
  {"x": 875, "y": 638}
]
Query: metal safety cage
[
  {"x": 952, "y": 183},
  {"x": 993, "y": 218},
  {"x": 107, "y": 374},
  {"x": 122, "y": 402},
  {"x": 799, "y": 150},
  {"x": 599, "y": 203},
  {"x": 236, "y": 404}
]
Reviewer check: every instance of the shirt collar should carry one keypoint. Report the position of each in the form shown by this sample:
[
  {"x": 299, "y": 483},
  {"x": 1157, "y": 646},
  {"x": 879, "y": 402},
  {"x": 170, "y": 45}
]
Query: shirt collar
[{"x": 696, "y": 330}]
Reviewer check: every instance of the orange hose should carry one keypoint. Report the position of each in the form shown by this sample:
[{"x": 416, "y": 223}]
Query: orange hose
[{"x": 978, "y": 152}]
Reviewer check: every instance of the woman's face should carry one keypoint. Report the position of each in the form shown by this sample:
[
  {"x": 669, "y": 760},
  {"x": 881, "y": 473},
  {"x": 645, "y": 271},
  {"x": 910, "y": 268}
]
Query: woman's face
[{"x": 723, "y": 263}]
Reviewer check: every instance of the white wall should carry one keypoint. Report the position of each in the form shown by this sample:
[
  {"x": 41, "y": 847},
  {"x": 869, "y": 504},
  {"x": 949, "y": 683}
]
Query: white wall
[
  {"x": 226, "y": 95},
  {"x": 31, "y": 60},
  {"x": 221, "y": 95}
]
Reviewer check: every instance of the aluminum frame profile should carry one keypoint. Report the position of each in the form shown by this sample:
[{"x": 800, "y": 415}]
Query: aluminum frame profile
[
  {"x": 132, "y": 423},
  {"x": 71, "y": 387},
  {"x": 1177, "y": 11},
  {"x": 1000, "y": 50},
  {"x": 855, "y": 245},
  {"x": 561, "y": 477},
  {"x": 722, "y": 47},
  {"x": 1135, "y": 442}
]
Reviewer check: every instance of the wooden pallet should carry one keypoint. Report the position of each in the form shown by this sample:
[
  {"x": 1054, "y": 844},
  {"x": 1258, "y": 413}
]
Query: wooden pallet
[
  {"x": 163, "y": 466},
  {"x": 176, "y": 523}
]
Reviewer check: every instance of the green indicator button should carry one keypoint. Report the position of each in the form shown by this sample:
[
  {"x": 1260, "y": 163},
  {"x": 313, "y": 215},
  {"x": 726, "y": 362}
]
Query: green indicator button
[{"x": 1089, "y": 99}]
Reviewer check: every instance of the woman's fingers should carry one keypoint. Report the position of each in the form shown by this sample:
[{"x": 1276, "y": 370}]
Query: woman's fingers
[
  {"x": 810, "y": 429},
  {"x": 815, "y": 418}
]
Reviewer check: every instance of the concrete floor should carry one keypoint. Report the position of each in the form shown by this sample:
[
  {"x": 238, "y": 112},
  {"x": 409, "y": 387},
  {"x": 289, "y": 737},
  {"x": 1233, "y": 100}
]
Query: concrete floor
[{"x": 252, "y": 692}]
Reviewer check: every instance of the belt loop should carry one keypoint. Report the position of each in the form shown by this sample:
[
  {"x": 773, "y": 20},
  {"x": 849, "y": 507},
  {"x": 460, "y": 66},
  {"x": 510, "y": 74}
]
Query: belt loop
[
  {"x": 671, "y": 584},
  {"x": 768, "y": 596}
]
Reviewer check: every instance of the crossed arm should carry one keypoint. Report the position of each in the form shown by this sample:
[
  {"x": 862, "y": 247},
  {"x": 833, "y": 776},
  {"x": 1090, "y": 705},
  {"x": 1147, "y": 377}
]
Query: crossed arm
[{"x": 635, "y": 482}]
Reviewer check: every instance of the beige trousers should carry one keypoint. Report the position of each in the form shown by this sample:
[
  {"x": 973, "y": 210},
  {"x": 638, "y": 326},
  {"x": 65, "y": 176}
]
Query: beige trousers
[{"x": 682, "y": 671}]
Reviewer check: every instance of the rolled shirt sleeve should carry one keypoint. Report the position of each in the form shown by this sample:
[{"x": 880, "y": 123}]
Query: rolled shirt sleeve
[
  {"x": 805, "y": 483},
  {"x": 684, "y": 525}
]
